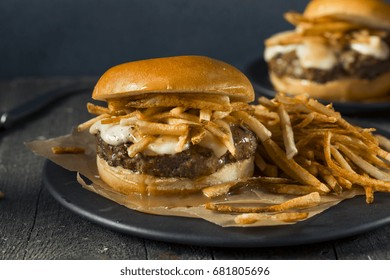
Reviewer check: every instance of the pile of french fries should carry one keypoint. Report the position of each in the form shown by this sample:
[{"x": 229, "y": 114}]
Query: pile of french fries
[
  {"x": 324, "y": 150},
  {"x": 306, "y": 149}
]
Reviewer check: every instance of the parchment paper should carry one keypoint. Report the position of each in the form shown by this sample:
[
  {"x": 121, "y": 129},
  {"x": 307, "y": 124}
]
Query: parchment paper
[{"x": 188, "y": 205}]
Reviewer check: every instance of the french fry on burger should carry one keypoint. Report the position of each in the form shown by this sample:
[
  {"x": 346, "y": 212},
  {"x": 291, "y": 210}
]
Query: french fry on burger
[{"x": 338, "y": 51}]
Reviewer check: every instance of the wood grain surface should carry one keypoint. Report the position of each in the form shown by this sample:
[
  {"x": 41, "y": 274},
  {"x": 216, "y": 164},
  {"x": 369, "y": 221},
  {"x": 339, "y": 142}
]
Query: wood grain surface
[{"x": 34, "y": 226}]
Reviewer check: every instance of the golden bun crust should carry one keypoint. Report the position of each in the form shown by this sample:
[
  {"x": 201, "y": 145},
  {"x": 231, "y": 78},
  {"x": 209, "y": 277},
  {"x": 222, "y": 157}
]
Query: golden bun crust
[
  {"x": 127, "y": 182},
  {"x": 179, "y": 74},
  {"x": 338, "y": 90},
  {"x": 371, "y": 13}
]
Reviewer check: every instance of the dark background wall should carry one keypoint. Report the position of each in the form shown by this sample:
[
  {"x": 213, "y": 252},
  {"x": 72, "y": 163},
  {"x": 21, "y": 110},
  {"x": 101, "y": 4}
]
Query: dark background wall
[{"x": 85, "y": 37}]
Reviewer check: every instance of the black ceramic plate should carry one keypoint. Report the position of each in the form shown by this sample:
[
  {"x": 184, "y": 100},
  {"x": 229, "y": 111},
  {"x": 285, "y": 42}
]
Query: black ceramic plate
[
  {"x": 348, "y": 218},
  {"x": 257, "y": 72}
]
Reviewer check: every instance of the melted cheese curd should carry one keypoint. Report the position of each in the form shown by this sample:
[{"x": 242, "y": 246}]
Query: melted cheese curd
[
  {"x": 116, "y": 134},
  {"x": 171, "y": 134}
]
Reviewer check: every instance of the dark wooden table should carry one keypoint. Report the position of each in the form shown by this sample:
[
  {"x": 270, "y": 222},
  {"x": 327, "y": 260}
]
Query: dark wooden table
[{"x": 33, "y": 225}]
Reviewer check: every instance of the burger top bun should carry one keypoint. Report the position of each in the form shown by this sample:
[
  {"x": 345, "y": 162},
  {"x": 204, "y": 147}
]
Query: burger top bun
[
  {"x": 371, "y": 13},
  {"x": 179, "y": 74}
]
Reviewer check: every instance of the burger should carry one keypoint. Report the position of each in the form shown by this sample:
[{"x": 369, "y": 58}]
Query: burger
[
  {"x": 338, "y": 51},
  {"x": 170, "y": 125}
]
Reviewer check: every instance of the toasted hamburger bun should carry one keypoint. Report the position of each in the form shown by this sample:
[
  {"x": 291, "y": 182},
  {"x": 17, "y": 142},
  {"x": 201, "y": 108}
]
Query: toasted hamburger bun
[{"x": 179, "y": 74}]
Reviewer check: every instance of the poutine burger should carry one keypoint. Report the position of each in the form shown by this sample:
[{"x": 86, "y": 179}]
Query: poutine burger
[
  {"x": 338, "y": 51},
  {"x": 169, "y": 126}
]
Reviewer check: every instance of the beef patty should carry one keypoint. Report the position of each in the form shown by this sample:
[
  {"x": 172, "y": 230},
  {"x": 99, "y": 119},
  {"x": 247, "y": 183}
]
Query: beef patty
[
  {"x": 351, "y": 64},
  {"x": 191, "y": 163}
]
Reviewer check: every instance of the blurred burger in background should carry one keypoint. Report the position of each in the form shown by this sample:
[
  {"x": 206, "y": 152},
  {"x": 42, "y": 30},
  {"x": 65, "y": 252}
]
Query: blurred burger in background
[{"x": 339, "y": 51}]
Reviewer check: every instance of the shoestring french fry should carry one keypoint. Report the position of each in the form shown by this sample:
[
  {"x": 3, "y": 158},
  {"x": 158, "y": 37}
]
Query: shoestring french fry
[
  {"x": 139, "y": 146},
  {"x": 89, "y": 123},
  {"x": 383, "y": 142},
  {"x": 288, "y": 135},
  {"x": 96, "y": 109},
  {"x": 289, "y": 217}
]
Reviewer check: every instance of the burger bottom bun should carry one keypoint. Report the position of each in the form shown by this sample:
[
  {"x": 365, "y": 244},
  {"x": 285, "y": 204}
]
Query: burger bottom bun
[
  {"x": 338, "y": 90},
  {"x": 127, "y": 182}
]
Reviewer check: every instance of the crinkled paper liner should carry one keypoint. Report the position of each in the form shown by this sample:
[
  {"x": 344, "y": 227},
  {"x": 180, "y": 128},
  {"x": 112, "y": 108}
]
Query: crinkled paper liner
[{"x": 185, "y": 206}]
